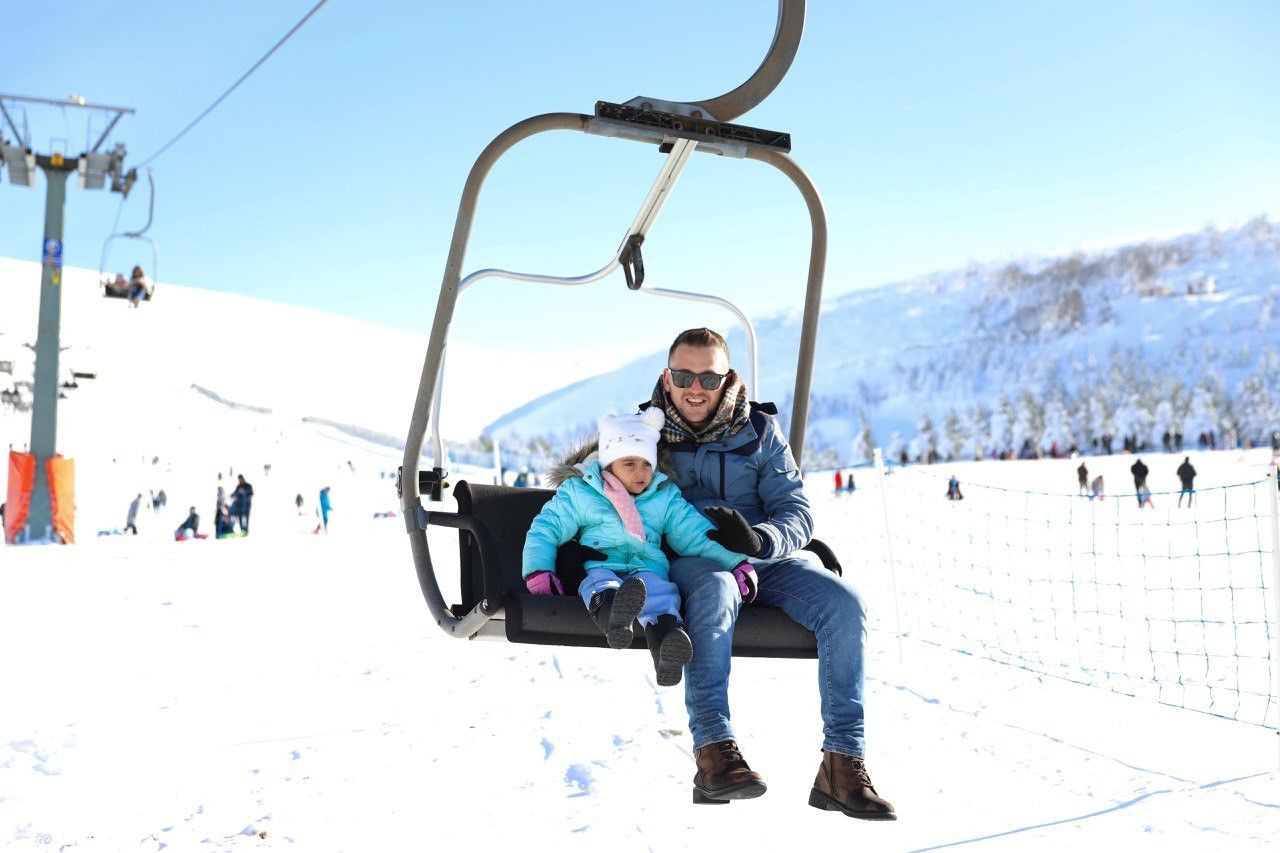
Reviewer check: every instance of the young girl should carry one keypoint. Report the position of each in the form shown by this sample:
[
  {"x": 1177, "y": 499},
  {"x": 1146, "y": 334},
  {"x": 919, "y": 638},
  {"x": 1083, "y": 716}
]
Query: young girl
[{"x": 623, "y": 508}]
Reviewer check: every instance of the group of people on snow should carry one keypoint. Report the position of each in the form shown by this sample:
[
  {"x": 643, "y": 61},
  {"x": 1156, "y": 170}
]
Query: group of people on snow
[{"x": 1140, "y": 470}]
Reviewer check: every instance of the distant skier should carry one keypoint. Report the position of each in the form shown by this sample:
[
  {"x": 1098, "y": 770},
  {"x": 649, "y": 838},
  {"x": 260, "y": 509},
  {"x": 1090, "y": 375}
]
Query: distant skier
[
  {"x": 1082, "y": 476},
  {"x": 839, "y": 481},
  {"x": 1187, "y": 474},
  {"x": 1095, "y": 489},
  {"x": 848, "y": 483},
  {"x": 953, "y": 489},
  {"x": 325, "y": 508}
]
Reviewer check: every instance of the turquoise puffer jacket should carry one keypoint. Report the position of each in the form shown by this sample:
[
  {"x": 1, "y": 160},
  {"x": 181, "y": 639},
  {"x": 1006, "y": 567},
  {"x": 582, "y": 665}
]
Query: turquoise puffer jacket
[{"x": 580, "y": 504}]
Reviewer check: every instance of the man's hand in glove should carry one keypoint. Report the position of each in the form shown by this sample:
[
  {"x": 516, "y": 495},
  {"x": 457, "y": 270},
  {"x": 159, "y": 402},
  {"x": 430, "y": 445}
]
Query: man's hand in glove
[{"x": 733, "y": 531}]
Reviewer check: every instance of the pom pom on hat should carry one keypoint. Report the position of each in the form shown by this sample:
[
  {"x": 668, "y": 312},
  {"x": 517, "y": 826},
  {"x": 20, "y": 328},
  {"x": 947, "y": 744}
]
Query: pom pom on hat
[{"x": 630, "y": 435}]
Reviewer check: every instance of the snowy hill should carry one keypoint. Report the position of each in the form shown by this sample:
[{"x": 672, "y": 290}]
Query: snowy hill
[{"x": 1175, "y": 334}]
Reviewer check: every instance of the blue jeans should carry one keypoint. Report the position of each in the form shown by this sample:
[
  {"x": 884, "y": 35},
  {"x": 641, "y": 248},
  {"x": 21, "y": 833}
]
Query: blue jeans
[{"x": 818, "y": 599}]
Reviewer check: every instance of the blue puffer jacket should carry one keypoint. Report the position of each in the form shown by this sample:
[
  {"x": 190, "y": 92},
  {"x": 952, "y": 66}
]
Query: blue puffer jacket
[
  {"x": 752, "y": 471},
  {"x": 580, "y": 504}
]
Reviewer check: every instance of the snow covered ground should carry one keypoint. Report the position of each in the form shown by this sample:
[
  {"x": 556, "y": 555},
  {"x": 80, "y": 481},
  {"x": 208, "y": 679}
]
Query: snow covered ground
[{"x": 287, "y": 691}]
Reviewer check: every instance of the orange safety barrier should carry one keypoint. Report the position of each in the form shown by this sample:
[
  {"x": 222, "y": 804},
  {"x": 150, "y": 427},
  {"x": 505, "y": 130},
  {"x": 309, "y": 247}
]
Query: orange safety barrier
[
  {"x": 62, "y": 497},
  {"x": 22, "y": 477}
]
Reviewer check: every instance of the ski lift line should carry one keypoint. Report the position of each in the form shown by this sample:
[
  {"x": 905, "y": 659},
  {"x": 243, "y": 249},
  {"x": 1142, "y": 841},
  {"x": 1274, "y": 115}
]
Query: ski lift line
[{"x": 235, "y": 85}]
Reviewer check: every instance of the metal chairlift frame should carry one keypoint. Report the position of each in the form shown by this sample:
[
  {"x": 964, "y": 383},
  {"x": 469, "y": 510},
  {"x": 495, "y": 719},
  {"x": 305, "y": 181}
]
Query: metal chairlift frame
[
  {"x": 679, "y": 129},
  {"x": 140, "y": 234}
]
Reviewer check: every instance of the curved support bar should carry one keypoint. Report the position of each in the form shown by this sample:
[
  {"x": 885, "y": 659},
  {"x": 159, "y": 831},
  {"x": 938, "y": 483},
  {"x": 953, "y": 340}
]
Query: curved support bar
[
  {"x": 813, "y": 292},
  {"x": 786, "y": 41},
  {"x": 409, "y": 499}
]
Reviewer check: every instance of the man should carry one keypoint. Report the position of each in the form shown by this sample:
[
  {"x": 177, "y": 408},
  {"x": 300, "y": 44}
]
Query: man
[
  {"x": 1139, "y": 471},
  {"x": 242, "y": 503},
  {"x": 731, "y": 460},
  {"x": 1082, "y": 477},
  {"x": 1187, "y": 474}
]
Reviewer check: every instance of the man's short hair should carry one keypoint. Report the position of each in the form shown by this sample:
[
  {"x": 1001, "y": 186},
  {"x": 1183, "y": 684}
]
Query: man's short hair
[{"x": 702, "y": 337}]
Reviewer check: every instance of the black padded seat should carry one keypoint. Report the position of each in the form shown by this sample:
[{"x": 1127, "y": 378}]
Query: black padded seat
[{"x": 506, "y": 512}]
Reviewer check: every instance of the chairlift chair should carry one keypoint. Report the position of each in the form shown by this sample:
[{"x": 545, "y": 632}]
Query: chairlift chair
[
  {"x": 492, "y": 520},
  {"x": 140, "y": 235}
]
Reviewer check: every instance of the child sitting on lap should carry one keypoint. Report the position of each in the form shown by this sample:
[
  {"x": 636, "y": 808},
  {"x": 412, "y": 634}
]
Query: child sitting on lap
[{"x": 624, "y": 508}]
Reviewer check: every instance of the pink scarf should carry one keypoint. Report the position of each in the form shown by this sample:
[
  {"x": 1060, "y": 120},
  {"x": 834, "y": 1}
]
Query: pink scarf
[{"x": 624, "y": 503}]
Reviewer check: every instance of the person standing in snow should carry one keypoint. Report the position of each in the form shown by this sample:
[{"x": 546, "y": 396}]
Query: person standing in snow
[
  {"x": 730, "y": 459},
  {"x": 1139, "y": 471},
  {"x": 1082, "y": 477},
  {"x": 241, "y": 503},
  {"x": 222, "y": 525},
  {"x": 131, "y": 519},
  {"x": 325, "y": 508},
  {"x": 618, "y": 505},
  {"x": 1187, "y": 475}
]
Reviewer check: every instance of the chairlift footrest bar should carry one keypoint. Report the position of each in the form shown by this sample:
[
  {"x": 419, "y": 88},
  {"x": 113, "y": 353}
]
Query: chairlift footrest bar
[{"x": 699, "y": 129}]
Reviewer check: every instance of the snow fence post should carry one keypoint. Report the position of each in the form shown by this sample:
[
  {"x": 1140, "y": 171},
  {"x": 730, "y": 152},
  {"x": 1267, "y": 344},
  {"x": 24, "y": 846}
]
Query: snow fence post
[
  {"x": 888, "y": 545},
  {"x": 1273, "y": 486}
]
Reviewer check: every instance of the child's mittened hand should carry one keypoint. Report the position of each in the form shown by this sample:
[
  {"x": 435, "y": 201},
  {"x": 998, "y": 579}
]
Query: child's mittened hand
[
  {"x": 745, "y": 574},
  {"x": 544, "y": 583}
]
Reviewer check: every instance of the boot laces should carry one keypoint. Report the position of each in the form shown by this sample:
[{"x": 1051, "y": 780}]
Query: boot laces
[
  {"x": 857, "y": 769},
  {"x": 729, "y": 751}
]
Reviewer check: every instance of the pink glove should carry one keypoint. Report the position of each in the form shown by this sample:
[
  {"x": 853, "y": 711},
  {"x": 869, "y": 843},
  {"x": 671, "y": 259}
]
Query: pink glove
[
  {"x": 745, "y": 574},
  {"x": 545, "y": 583}
]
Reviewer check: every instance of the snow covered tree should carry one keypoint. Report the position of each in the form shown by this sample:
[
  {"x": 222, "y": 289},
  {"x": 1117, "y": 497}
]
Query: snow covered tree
[
  {"x": 1030, "y": 420},
  {"x": 980, "y": 429},
  {"x": 926, "y": 440},
  {"x": 865, "y": 444},
  {"x": 957, "y": 436}
]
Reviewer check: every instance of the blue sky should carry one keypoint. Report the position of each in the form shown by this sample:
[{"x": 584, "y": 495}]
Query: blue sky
[{"x": 938, "y": 134}]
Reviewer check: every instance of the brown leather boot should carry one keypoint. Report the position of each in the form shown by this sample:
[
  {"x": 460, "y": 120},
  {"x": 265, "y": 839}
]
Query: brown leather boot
[
  {"x": 843, "y": 785},
  {"x": 723, "y": 775}
]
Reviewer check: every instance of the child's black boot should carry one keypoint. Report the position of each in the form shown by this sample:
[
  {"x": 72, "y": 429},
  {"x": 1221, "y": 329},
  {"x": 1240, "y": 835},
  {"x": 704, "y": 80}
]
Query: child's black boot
[
  {"x": 671, "y": 648},
  {"x": 614, "y": 610}
]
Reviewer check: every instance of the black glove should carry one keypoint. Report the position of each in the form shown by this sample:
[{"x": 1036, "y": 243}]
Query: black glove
[
  {"x": 571, "y": 559},
  {"x": 734, "y": 533}
]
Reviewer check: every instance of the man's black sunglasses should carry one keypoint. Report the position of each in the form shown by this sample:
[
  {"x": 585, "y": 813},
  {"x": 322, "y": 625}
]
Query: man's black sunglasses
[{"x": 684, "y": 378}]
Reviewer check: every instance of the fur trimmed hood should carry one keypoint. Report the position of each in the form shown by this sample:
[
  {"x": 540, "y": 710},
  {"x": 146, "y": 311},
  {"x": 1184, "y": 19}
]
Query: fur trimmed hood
[{"x": 588, "y": 450}]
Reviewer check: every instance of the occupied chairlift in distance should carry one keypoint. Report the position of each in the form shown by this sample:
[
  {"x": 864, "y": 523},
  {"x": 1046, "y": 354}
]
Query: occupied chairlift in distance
[
  {"x": 106, "y": 280},
  {"x": 492, "y": 520}
]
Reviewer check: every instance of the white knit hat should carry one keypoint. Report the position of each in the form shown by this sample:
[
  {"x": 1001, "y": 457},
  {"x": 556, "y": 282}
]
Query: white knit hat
[{"x": 630, "y": 435}]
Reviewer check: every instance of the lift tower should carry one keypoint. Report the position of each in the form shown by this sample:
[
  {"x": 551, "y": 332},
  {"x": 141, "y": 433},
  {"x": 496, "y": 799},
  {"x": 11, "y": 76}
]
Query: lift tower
[{"x": 94, "y": 168}]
